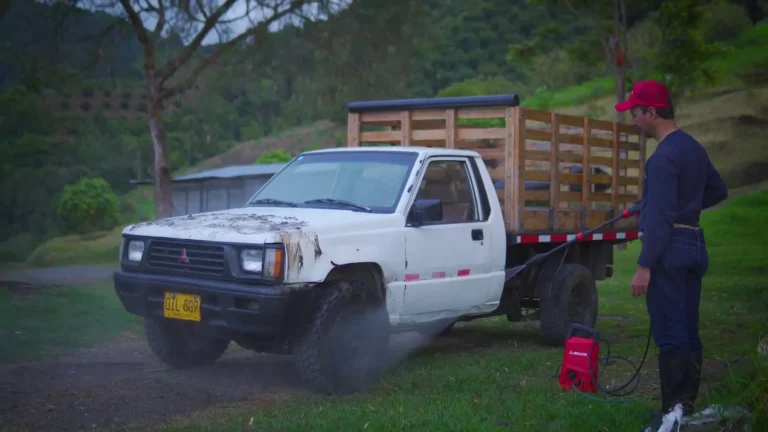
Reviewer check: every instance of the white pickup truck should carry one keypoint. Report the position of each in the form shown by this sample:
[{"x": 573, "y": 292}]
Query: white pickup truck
[{"x": 345, "y": 246}]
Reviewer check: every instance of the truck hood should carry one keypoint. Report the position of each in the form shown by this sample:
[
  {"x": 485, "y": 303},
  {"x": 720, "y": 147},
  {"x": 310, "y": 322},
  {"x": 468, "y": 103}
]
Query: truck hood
[{"x": 260, "y": 224}]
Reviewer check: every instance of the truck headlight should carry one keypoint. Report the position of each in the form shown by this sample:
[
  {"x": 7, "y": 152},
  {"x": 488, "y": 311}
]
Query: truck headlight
[
  {"x": 268, "y": 261},
  {"x": 135, "y": 250},
  {"x": 252, "y": 260}
]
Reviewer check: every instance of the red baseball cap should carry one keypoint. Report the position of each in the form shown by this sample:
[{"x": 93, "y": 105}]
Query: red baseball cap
[{"x": 652, "y": 94}]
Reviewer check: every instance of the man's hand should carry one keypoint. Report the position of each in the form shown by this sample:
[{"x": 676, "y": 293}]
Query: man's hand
[{"x": 640, "y": 281}]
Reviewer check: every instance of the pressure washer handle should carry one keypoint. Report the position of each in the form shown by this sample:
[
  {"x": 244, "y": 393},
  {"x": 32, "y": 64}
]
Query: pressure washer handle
[{"x": 592, "y": 332}]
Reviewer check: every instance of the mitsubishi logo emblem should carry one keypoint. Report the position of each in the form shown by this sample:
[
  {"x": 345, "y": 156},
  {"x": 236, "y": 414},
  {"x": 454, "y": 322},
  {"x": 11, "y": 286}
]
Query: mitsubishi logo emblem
[{"x": 183, "y": 257}]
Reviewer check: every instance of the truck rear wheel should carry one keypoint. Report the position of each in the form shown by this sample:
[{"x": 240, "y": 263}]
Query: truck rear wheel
[
  {"x": 573, "y": 299},
  {"x": 344, "y": 349},
  {"x": 181, "y": 344}
]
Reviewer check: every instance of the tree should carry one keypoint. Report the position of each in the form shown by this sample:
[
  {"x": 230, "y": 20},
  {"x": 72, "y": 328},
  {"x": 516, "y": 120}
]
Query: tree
[
  {"x": 607, "y": 24},
  {"x": 196, "y": 22}
]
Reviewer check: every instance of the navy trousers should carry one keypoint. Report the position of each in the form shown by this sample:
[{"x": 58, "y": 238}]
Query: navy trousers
[{"x": 674, "y": 293}]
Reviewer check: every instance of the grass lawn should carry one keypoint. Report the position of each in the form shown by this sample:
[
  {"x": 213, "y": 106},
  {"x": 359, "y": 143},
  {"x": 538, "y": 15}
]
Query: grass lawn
[
  {"x": 497, "y": 376},
  {"x": 39, "y": 323}
]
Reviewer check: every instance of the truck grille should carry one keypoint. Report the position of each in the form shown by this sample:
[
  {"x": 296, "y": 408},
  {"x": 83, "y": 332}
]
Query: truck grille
[{"x": 186, "y": 257}]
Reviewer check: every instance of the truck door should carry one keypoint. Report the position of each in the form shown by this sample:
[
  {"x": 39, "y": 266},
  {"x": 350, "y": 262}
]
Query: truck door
[{"x": 448, "y": 259}]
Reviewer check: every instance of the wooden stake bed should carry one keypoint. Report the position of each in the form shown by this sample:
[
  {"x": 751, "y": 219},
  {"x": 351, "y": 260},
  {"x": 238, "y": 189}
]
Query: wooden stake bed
[{"x": 520, "y": 147}]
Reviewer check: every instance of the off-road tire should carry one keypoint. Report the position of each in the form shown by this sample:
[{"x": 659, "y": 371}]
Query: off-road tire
[
  {"x": 170, "y": 342},
  {"x": 573, "y": 300},
  {"x": 321, "y": 355}
]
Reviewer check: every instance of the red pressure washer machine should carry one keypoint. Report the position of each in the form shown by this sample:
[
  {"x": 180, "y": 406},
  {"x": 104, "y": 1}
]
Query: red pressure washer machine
[{"x": 580, "y": 357}]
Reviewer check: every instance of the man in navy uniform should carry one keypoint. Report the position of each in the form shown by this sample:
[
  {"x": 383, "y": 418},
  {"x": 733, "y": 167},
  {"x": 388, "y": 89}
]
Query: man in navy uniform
[{"x": 680, "y": 181}]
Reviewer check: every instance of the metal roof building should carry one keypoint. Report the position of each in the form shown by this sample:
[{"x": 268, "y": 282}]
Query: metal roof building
[{"x": 219, "y": 189}]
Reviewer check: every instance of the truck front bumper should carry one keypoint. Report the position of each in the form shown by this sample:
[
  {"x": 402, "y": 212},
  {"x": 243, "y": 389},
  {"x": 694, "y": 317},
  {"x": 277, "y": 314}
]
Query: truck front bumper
[{"x": 248, "y": 308}]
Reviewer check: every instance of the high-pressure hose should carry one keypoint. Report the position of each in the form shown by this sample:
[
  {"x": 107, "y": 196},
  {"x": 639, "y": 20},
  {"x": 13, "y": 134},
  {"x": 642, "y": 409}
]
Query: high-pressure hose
[{"x": 609, "y": 357}]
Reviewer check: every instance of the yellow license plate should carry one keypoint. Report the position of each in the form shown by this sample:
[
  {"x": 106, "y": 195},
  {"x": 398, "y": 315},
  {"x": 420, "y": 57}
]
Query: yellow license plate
[{"x": 182, "y": 306}]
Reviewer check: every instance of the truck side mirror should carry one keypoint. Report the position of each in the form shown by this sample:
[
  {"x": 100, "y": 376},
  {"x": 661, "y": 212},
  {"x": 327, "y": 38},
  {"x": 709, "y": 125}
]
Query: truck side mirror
[{"x": 426, "y": 211}]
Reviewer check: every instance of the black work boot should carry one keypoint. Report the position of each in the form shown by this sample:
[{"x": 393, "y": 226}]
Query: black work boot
[
  {"x": 673, "y": 378},
  {"x": 694, "y": 379}
]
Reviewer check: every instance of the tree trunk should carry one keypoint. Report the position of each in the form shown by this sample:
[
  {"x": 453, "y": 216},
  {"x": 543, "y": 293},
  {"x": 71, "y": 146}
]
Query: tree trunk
[
  {"x": 620, "y": 90},
  {"x": 161, "y": 172}
]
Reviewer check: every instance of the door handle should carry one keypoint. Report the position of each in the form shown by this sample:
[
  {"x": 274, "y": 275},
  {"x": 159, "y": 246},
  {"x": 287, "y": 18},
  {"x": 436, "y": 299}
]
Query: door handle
[{"x": 477, "y": 234}]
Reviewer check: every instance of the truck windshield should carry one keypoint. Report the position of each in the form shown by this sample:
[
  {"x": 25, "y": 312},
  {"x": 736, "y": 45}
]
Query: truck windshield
[{"x": 356, "y": 180}]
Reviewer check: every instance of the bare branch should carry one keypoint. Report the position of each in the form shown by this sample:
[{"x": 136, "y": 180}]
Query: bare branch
[
  {"x": 160, "y": 22},
  {"x": 262, "y": 27},
  {"x": 138, "y": 25},
  {"x": 183, "y": 57}
]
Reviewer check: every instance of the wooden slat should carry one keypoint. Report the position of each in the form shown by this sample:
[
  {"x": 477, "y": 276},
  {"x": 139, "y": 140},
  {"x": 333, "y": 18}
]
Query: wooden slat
[
  {"x": 615, "y": 169},
  {"x": 601, "y": 125},
  {"x": 536, "y": 115},
  {"x": 569, "y": 120},
  {"x": 510, "y": 179},
  {"x": 632, "y": 181},
  {"x": 491, "y": 153},
  {"x": 487, "y": 133},
  {"x": 450, "y": 128},
  {"x": 554, "y": 163},
  {"x": 608, "y": 197},
  {"x": 405, "y": 131},
  {"x": 588, "y": 178},
  {"x": 353, "y": 130},
  {"x": 381, "y": 136},
  {"x": 529, "y": 175},
  {"x": 378, "y": 117},
  {"x": 516, "y": 166},
  {"x": 628, "y": 129},
  {"x": 435, "y": 114}
]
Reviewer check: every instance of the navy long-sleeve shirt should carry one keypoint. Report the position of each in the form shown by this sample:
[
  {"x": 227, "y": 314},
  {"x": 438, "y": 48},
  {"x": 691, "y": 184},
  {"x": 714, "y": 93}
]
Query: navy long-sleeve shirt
[{"x": 680, "y": 181}]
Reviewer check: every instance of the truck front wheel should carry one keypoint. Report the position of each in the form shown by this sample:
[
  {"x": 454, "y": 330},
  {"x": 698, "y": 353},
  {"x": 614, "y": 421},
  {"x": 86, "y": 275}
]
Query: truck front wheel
[
  {"x": 344, "y": 349},
  {"x": 572, "y": 299},
  {"x": 181, "y": 344}
]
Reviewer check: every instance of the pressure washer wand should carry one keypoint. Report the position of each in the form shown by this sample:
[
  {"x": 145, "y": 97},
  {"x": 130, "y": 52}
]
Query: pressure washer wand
[{"x": 538, "y": 258}]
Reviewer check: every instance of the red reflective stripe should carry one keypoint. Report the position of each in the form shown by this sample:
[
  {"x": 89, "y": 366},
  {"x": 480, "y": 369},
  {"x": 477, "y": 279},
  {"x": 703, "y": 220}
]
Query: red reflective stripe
[
  {"x": 463, "y": 272},
  {"x": 561, "y": 238},
  {"x": 411, "y": 277},
  {"x": 438, "y": 275},
  {"x": 529, "y": 239}
]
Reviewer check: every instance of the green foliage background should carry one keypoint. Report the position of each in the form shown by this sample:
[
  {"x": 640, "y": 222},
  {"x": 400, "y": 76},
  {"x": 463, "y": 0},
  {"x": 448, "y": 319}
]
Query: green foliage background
[{"x": 66, "y": 115}]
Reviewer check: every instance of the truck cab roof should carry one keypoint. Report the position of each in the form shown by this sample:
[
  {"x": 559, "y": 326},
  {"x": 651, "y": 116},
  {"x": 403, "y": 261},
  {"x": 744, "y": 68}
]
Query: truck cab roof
[{"x": 422, "y": 150}]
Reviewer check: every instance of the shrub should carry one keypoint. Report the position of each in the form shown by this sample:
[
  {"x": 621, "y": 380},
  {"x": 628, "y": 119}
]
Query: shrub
[
  {"x": 274, "y": 156},
  {"x": 85, "y": 106},
  {"x": 88, "y": 205}
]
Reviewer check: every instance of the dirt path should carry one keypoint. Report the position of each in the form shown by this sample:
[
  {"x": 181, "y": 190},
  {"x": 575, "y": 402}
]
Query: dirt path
[{"x": 121, "y": 384}]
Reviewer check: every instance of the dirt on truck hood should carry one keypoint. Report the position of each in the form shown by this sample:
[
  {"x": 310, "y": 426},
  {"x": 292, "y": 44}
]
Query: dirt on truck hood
[{"x": 255, "y": 224}]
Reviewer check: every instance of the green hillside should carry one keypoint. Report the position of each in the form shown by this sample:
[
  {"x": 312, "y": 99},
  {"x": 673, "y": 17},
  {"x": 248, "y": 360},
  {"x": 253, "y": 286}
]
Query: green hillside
[{"x": 290, "y": 93}]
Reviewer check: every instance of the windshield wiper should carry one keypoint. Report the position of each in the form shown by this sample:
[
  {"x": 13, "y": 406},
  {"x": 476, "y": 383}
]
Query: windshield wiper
[
  {"x": 273, "y": 201},
  {"x": 338, "y": 201}
]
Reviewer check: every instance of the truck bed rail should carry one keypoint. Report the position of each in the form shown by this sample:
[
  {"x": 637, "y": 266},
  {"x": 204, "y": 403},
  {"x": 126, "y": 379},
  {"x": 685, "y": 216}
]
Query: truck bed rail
[{"x": 520, "y": 147}]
